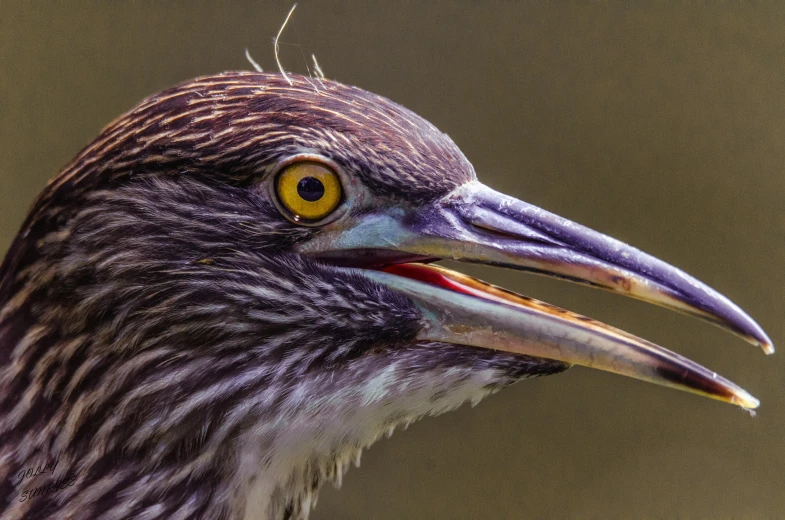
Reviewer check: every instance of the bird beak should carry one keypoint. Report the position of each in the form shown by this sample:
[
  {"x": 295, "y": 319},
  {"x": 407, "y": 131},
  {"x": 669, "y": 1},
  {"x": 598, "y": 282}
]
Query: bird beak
[{"x": 477, "y": 224}]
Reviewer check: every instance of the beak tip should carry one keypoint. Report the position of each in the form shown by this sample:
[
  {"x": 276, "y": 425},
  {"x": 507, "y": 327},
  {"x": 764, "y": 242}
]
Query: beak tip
[
  {"x": 754, "y": 333},
  {"x": 745, "y": 400},
  {"x": 762, "y": 340},
  {"x": 766, "y": 345}
]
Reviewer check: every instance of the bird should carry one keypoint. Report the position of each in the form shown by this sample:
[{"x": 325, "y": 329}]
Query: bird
[{"x": 233, "y": 291}]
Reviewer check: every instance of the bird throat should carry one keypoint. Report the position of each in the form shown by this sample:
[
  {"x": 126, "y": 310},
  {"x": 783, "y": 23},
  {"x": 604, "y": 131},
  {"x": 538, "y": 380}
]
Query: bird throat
[{"x": 284, "y": 461}]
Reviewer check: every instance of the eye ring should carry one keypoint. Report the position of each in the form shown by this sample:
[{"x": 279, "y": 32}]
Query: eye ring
[{"x": 308, "y": 189}]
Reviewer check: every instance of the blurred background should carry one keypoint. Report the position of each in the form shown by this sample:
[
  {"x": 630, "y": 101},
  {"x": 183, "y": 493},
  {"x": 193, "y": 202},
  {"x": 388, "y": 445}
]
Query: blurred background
[{"x": 662, "y": 125}]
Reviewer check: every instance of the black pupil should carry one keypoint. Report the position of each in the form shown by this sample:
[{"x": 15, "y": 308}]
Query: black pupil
[{"x": 310, "y": 189}]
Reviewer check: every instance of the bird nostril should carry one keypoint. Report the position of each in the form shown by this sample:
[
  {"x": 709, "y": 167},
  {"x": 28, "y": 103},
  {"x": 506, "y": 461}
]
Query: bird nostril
[
  {"x": 512, "y": 235},
  {"x": 310, "y": 189}
]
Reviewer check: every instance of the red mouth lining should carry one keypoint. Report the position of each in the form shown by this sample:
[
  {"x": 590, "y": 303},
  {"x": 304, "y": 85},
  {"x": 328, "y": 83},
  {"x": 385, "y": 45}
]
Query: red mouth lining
[
  {"x": 423, "y": 274},
  {"x": 433, "y": 276}
]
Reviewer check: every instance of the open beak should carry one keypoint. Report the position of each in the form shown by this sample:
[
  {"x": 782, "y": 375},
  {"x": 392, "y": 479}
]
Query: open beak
[{"x": 477, "y": 224}]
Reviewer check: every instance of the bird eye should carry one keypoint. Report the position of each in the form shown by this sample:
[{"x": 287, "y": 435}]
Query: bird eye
[{"x": 308, "y": 190}]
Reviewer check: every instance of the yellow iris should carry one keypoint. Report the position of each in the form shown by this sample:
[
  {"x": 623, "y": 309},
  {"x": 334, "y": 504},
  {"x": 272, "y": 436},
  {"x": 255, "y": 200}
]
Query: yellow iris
[{"x": 309, "y": 190}]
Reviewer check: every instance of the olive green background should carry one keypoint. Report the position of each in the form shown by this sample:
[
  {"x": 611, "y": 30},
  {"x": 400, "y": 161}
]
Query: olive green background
[{"x": 660, "y": 124}]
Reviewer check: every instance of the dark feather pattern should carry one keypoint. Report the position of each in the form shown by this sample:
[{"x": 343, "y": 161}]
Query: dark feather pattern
[{"x": 160, "y": 339}]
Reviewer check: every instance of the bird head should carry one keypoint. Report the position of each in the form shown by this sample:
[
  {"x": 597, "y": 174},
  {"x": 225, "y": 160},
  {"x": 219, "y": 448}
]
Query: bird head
[{"x": 228, "y": 295}]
